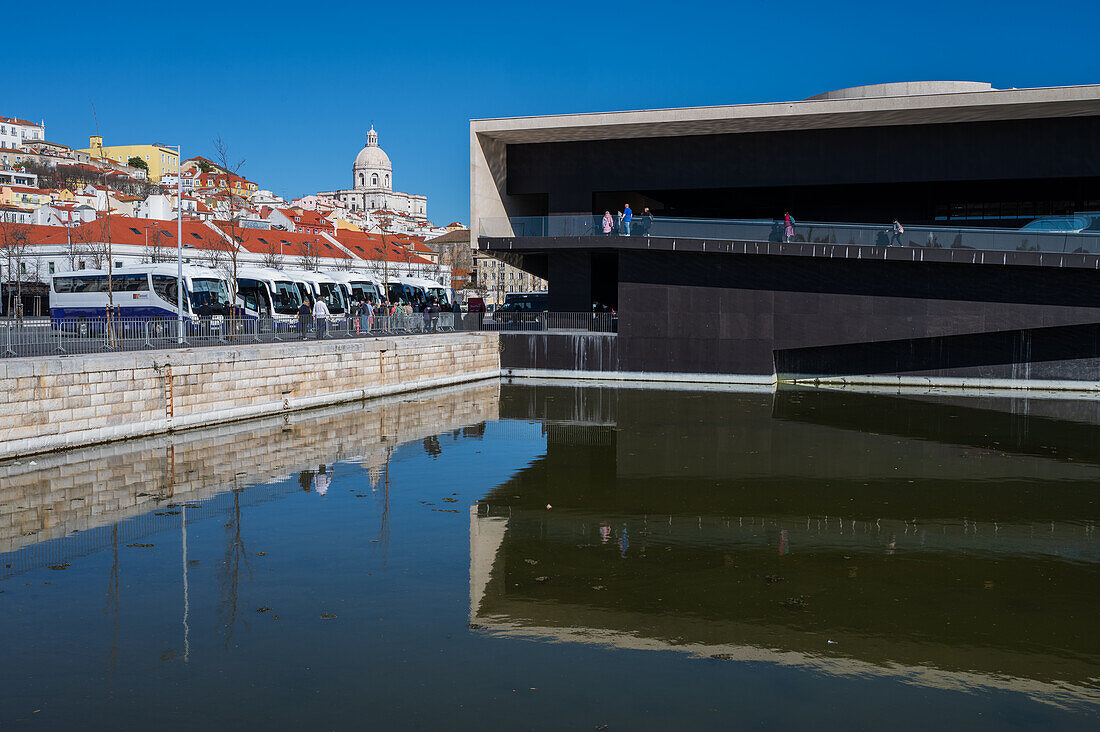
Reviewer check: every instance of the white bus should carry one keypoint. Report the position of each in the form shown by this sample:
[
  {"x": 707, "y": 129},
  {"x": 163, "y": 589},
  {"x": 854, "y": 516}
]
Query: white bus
[
  {"x": 420, "y": 290},
  {"x": 357, "y": 286},
  {"x": 139, "y": 291},
  {"x": 270, "y": 293},
  {"x": 320, "y": 285}
]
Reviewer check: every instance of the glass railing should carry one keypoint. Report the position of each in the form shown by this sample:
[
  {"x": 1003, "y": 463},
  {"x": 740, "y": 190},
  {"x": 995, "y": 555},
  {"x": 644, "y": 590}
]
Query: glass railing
[{"x": 813, "y": 232}]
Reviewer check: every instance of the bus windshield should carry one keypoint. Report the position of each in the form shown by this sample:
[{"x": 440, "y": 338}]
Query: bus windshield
[
  {"x": 439, "y": 294},
  {"x": 207, "y": 291},
  {"x": 287, "y": 298},
  {"x": 364, "y": 291},
  {"x": 333, "y": 297}
]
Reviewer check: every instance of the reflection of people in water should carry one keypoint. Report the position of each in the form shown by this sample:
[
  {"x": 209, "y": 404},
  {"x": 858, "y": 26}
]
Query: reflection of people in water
[
  {"x": 624, "y": 542},
  {"x": 321, "y": 481},
  {"x": 305, "y": 479},
  {"x": 784, "y": 542},
  {"x": 605, "y": 533},
  {"x": 431, "y": 446}
]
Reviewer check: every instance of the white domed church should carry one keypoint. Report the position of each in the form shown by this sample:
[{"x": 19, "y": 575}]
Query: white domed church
[{"x": 372, "y": 185}]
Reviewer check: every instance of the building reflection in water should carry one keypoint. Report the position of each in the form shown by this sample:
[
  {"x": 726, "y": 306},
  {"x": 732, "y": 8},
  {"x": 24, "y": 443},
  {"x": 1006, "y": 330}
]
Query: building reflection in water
[
  {"x": 938, "y": 541},
  {"x": 63, "y": 506}
]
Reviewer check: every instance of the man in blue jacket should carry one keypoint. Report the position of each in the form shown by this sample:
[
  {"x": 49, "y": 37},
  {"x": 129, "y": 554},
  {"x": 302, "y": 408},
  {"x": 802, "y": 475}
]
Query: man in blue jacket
[{"x": 627, "y": 215}]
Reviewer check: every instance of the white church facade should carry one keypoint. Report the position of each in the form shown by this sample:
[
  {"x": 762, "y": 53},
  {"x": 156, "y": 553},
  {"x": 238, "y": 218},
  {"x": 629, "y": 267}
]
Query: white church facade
[{"x": 372, "y": 186}]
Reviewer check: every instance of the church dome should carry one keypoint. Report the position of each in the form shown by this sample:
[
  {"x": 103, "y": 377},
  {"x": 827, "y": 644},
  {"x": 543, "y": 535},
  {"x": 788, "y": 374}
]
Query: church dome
[{"x": 372, "y": 157}]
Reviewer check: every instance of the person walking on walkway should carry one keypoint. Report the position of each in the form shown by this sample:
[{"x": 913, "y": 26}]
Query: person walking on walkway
[
  {"x": 305, "y": 315},
  {"x": 627, "y": 216},
  {"x": 320, "y": 318},
  {"x": 608, "y": 223},
  {"x": 895, "y": 239},
  {"x": 788, "y": 226},
  {"x": 647, "y": 222}
]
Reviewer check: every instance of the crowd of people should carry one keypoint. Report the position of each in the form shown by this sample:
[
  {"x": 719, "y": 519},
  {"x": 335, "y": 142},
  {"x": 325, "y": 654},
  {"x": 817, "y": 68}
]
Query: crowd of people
[{"x": 365, "y": 315}]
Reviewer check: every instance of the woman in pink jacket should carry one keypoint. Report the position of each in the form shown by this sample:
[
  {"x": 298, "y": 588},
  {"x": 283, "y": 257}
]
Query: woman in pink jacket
[{"x": 608, "y": 223}]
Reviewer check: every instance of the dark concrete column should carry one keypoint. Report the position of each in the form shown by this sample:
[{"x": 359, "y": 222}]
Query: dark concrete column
[{"x": 570, "y": 282}]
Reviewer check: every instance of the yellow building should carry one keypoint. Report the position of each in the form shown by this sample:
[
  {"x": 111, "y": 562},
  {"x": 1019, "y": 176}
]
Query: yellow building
[{"x": 161, "y": 160}]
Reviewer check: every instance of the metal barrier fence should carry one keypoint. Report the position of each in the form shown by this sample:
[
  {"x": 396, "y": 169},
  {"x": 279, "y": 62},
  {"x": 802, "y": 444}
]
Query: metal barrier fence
[
  {"x": 90, "y": 335},
  {"x": 808, "y": 232},
  {"x": 96, "y": 335},
  {"x": 585, "y": 322}
]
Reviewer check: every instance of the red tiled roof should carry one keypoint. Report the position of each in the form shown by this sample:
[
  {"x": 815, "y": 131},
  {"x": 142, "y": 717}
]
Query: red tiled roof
[
  {"x": 377, "y": 247},
  {"x": 17, "y": 121},
  {"x": 294, "y": 244}
]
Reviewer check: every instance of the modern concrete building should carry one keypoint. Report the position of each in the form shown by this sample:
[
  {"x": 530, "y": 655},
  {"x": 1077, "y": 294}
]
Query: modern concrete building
[
  {"x": 925, "y": 152},
  {"x": 960, "y": 295}
]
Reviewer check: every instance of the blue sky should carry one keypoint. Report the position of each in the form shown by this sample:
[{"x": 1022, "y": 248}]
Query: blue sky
[{"x": 292, "y": 87}]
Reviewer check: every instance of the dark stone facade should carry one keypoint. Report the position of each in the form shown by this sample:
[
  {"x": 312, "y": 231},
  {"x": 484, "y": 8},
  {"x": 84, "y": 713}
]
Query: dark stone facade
[{"x": 808, "y": 314}]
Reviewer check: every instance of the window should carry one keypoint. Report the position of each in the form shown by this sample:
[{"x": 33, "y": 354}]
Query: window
[
  {"x": 22, "y": 268},
  {"x": 51, "y": 267},
  {"x": 80, "y": 264},
  {"x": 117, "y": 264}
]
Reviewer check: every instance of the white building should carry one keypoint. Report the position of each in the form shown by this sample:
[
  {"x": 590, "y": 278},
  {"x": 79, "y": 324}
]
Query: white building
[
  {"x": 372, "y": 185},
  {"x": 15, "y": 132}
]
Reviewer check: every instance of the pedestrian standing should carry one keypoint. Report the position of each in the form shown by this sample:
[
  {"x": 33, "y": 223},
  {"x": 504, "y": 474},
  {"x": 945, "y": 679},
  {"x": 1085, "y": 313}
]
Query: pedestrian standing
[
  {"x": 618, "y": 222},
  {"x": 356, "y": 312},
  {"x": 788, "y": 225},
  {"x": 320, "y": 318},
  {"x": 608, "y": 223},
  {"x": 898, "y": 231},
  {"x": 647, "y": 221},
  {"x": 368, "y": 308},
  {"x": 627, "y": 216},
  {"x": 456, "y": 314},
  {"x": 305, "y": 315}
]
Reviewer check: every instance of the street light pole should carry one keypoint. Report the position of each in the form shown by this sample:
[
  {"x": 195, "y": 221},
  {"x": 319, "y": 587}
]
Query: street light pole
[{"x": 179, "y": 244}]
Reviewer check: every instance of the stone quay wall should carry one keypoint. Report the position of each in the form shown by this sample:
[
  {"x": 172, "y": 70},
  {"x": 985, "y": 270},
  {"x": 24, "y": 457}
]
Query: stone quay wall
[{"x": 67, "y": 401}]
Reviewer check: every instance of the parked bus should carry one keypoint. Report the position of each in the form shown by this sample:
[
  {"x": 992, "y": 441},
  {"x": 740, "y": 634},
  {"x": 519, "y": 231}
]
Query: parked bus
[
  {"x": 139, "y": 291},
  {"x": 429, "y": 289},
  {"x": 357, "y": 286},
  {"x": 271, "y": 293},
  {"x": 321, "y": 285},
  {"x": 399, "y": 292}
]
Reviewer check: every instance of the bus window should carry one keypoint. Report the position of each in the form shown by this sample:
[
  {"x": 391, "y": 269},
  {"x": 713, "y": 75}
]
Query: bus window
[
  {"x": 303, "y": 290},
  {"x": 287, "y": 298},
  {"x": 166, "y": 289},
  {"x": 333, "y": 297}
]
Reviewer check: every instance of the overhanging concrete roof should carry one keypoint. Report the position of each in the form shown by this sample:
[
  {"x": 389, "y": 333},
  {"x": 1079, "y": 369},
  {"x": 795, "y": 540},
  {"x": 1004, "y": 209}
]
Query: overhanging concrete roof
[{"x": 997, "y": 104}]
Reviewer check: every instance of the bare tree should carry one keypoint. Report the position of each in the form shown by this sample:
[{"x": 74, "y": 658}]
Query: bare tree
[
  {"x": 272, "y": 255},
  {"x": 216, "y": 253},
  {"x": 310, "y": 258},
  {"x": 155, "y": 251},
  {"x": 15, "y": 239},
  {"x": 75, "y": 249},
  {"x": 224, "y": 161}
]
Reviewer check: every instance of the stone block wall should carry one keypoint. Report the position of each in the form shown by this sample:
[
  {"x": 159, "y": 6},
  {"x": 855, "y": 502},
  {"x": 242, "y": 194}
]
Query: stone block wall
[{"x": 61, "y": 402}]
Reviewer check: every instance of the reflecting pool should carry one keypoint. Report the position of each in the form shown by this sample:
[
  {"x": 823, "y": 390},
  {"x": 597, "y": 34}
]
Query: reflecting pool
[{"x": 565, "y": 556}]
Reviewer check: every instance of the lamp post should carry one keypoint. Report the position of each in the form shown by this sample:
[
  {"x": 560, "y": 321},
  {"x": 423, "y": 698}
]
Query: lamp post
[{"x": 179, "y": 244}]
